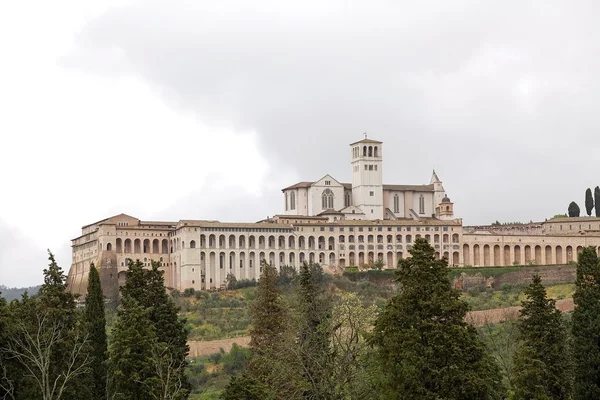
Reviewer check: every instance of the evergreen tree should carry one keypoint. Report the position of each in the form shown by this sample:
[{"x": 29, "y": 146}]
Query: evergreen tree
[
  {"x": 96, "y": 326},
  {"x": 589, "y": 202},
  {"x": 424, "y": 348},
  {"x": 586, "y": 327},
  {"x": 574, "y": 210},
  {"x": 129, "y": 363},
  {"x": 597, "y": 201},
  {"x": 269, "y": 372},
  {"x": 314, "y": 332},
  {"x": 146, "y": 288},
  {"x": 542, "y": 363}
]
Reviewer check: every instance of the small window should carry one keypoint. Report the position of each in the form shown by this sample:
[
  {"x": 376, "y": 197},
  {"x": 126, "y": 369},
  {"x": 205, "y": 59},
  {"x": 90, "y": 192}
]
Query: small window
[
  {"x": 366, "y": 167},
  {"x": 371, "y": 193},
  {"x": 375, "y": 167}
]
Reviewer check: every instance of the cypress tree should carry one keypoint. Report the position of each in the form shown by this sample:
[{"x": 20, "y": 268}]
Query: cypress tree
[
  {"x": 267, "y": 373},
  {"x": 586, "y": 327},
  {"x": 589, "y": 202},
  {"x": 597, "y": 200},
  {"x": 574, "y": 210},
  {"x": 542, "y": 363},
  {"x": 314, "y": 333},
  {"x": 96, "y": 326},
  {"x": 131, "y": 345},
  {"x": 146, "y": 287},
  {"x": 424, "y": 349}
]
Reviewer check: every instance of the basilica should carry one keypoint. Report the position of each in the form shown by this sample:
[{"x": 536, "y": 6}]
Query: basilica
[{"x": 333, "y": 223}]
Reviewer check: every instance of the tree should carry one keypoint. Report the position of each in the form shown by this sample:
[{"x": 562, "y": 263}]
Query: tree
[
  {"x": 48, "y": 342},
  {"x": 314, "y": 332},
  {"x": 585, "y": 327},
  {"x": 129, "y": 363},
  {"x": 270, "y": 341},
  {"x": 597, "y": 201},
  {"x": 542, "y": 362},
  {"x": 424, "y": 348},
  {"x": 96, "y": 327},
  {"x": 574, "y": 210},
  {"x": 351, "y": 322},
  {"x": 589, "y": 202},
  {"x": 147, "y": 288}
]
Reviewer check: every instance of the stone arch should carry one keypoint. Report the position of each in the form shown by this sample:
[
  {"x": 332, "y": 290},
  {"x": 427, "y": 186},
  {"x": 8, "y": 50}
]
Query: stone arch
[
  {"x": 517, "y": 256},
  {"x": 203, "y": 241},
  {"x": 311, "y": 257},
  {"x": 375, "y": 152},
  {"x": 364, "y": 151},
  {"x": 446, "y": 255},
  {"x": 109, "y": 246},
  {"x": 155, "y": 246},
  {"x": 455, "y": 258},
  {"x": 292, "y": 259},
  {"x": 390, "y": 259},
  {"x": 231, "y": 259},
  {"x": 331, "y": 259},
  {"x": 119, "y": 246},
  {"x": 399, "y": 238},
  {"x": 193, "y": 244},
  {"x": 281, "y": 258},
  {"x": 466, "y": 255},
  {"x": 361, "y": 259},
  {"x": 128, "y": 246},
  {"x": 242, "y": 242},
  {"x": 137, "y": 246},
  {"x": 370, "y": 257},
  {"x": 559, "y": 255},
  {"x": 146, "y": 246},
  {"x": 370, "y": 151},
  {"x": 232, "y": 241},
  {"x": 527, "y": 254},
  {"x": 455, "y": 238},
  {"x": 222, "y": 241},
  {"x": 445, "y": 238},
  {"x": 537, "y": 251},
  {"x": 251, "y": 242},
  {"x": 301, "y": 257},
  {"x": 271, "y": 242},
  {"x": 165, "y": 246},
  {"x": 579, "y": 250},
  {"x": 497, "y": 261},
  {"x": 281, "y": 242},
  {"x": 301, "y": 242},
  {"x": 506, "y": 255},
  {"x": 311, "y": 242},
  {"x": 331, "y": 243},
  {"x": 321, "y": 242},
  {"x": 212, "y": 241},
  {"x": 351, "y": 259},
  {"x": 243, "y": 261},
  {"x": 569, "y": 254},
  {"x": 476, "y": 256},
  {"x": 261, "y": 242},
  {"x": 486, "y": 255},
  {"x": 428, "y": 238},
  {"x": 399, "y": 256},
  {"x": 548, "y": 255}
]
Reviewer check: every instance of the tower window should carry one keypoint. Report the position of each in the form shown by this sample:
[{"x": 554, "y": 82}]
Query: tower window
[
  {"x": 371, "y": 193},
  {"x": 366, "y": 167},
  {"x": 370, "y": 168},
  {"x": 327, "y": 183},
  {"x": 421, "y": 204},
  {"x": 347, "y": 199},
  {"x": 396, "y": 203},
  {"x": 292, "y": 200}
]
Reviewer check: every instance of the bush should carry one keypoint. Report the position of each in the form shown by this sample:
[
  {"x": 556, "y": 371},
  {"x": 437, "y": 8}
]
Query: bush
[{"x": 189, "y": 292}]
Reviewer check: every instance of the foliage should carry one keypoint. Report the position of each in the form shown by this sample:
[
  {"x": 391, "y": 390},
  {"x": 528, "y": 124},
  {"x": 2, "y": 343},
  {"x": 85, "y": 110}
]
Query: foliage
[
  {"x": 574, "y": 210},
  {"x": 96, "y": 328},
  {"x": 589, "y": 201},
  {"x": 560, "y": 216},
  {"x": 542, "y": 362},
  {"x": 597, "y": 201},
  {"x": 585, "y": 327},
  {"x": 11, "y": 294},
  {"x": 144, "y": 299},
  {"x": 501, "y": 340},
  {"x": 424, "y": 348}
]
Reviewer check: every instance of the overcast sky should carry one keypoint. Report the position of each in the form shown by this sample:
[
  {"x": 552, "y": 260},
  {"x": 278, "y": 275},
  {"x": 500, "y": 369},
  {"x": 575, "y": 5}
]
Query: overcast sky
[{"x": 205, "y": 110}]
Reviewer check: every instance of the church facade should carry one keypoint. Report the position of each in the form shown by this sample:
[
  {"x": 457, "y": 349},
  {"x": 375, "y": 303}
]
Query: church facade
[{"x": 326, "y": 221}]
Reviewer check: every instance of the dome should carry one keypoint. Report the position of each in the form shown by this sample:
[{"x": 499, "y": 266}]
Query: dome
[{"x": 446, "y": 199}]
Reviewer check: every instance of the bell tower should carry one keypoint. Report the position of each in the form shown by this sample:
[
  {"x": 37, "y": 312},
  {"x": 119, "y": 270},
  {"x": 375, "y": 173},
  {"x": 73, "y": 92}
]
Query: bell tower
[{"x": 367, "y": 177}]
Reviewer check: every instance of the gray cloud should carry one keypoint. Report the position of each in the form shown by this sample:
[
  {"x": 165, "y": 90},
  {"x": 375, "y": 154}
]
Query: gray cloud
[{"x": 499, "y": 96}]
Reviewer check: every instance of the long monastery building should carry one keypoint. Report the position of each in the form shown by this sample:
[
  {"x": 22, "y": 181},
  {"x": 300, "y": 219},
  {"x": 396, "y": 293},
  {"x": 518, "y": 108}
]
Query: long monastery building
[{"x": 335, "y": 224}]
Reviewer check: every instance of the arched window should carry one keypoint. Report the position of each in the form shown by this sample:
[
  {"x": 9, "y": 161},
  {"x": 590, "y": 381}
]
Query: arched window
[
  {"x": 375, "y": 152},
  {"x": 364, "y": 151},
  {"x": 327, "y": 199},
  {"x": 108, "y": 246},
  {"x": 421, "y": 204},
  {"x": 286, "y": 201},
  {"x": 370, "y": 151},
  {"x": 396, "y": 203},
  {"x": 347, "y": 199},
  {"x": 292, "y": 200}
]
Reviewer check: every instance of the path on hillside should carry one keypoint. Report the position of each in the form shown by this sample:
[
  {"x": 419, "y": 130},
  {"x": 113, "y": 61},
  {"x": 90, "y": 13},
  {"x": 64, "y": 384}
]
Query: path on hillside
[{"x": 477, "y": 318}]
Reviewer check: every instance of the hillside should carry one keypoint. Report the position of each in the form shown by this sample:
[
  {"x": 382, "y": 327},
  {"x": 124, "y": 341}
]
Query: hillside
[{"x": 15, "y": 293}]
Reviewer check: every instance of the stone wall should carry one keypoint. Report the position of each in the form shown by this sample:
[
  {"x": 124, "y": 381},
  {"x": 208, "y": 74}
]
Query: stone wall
[{"x": 552, "y": 274}]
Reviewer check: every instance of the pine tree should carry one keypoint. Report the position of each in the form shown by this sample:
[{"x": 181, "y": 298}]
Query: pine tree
[
  {"x": 597, "y": 200},
  {"x": 574, "y": 210},
  {"x": 96, "y": 327},
  {"x": 542, "y": 363},
  {"x": 129, "y": 363},
  {"x": 586, "y": 327},
  {"x": 589, "y": 202},
  {"x": 424, "y": 348}
]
